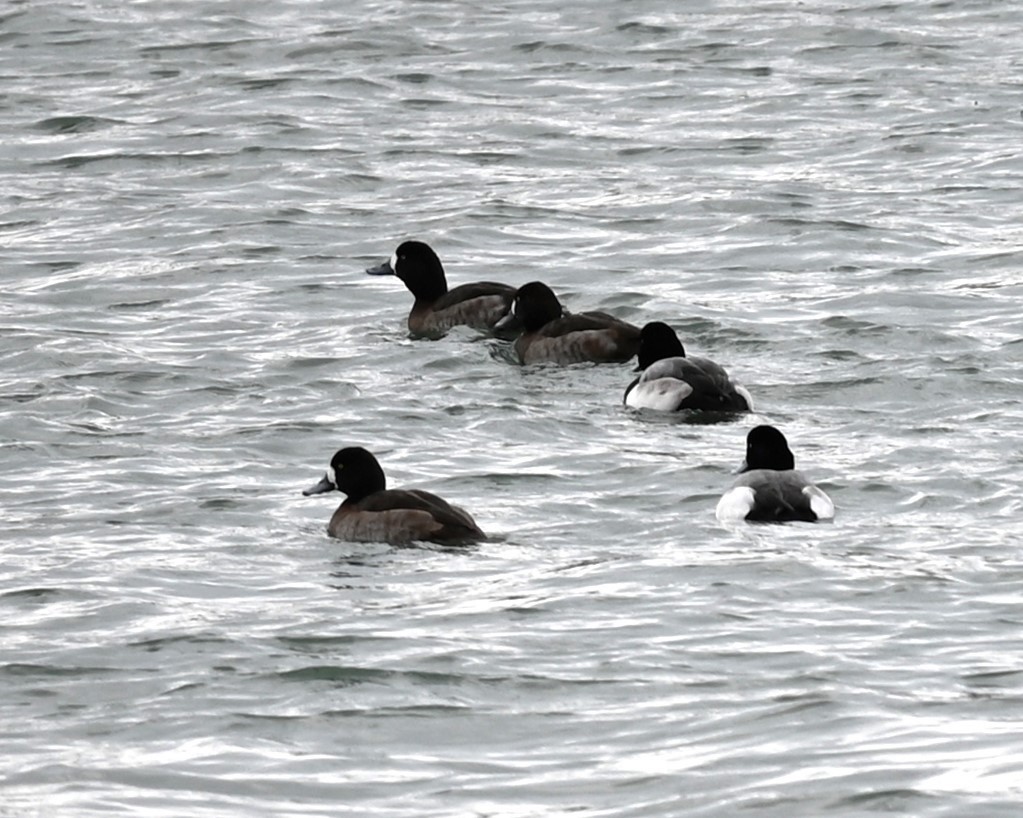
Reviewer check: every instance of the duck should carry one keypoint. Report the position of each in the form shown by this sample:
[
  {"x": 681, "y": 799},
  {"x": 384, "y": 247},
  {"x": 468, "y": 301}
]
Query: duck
[
  {"x": 769, "y": 489},
  {"x": 437, "y": 309},
  {"x": 671, "y": 381},
  {"x": 373, "y": 513},
  {"x": 551, "y": 334}
]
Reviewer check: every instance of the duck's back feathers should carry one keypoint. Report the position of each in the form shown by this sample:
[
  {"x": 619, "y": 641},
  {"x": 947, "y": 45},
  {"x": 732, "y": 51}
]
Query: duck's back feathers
[
  {"x": 401, "y": 516},
  {"x": 580, "y": 337},
  {"x": 477, "y": 289},
  {"x": 673, "y": 384},
  {"x": 553, "y": 335},
  {"x": 373, "y": 513},
  {"x": 672, "y": 381},
  {"x": 480, "y": 305},
  {"x": 586, "y": 322},
  {"x": 768, "y": 496},
  {"x": 769, "y": 488},
  {"x": 440, "y": 509}
]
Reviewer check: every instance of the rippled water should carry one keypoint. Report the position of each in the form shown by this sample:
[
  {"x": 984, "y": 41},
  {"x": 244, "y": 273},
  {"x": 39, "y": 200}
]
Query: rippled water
[{"x": 825, "y": 197}]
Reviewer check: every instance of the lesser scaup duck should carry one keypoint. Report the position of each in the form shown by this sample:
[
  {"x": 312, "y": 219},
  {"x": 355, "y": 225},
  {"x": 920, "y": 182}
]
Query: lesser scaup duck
[
  {"x": 373, "y": 513},
  {"x": 437, "y": 309},
  {"x": 671, "y": 381},
  {"x": 550, "y": 334},
  {"x": 770, "y": 490}
]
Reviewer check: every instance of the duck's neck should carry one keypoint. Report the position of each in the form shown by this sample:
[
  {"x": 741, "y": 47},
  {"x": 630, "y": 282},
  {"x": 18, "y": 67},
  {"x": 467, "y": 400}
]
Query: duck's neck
[{"x": 429, "y": 285}]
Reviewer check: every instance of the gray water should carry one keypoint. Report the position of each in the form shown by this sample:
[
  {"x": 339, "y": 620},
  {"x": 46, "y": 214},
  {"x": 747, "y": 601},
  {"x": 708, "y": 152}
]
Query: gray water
[{"x": 825, "y": 197}]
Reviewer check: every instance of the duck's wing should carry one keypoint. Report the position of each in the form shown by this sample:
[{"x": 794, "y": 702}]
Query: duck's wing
[
  {"x": 710, "y": 388},
  {"x": 665, "y": 394},
  {"x": 776, "y": 496},
  {"x": 477, "y": 289},
  {"x": 608, "y": 319},
  {"x": 588, "y": 321},
  {"x": 450, "y": 522},
  {"x": 481, "y": 305}
]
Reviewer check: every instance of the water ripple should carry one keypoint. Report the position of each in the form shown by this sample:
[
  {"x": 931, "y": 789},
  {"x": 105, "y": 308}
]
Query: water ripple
[{"x": 822, "y": 197}]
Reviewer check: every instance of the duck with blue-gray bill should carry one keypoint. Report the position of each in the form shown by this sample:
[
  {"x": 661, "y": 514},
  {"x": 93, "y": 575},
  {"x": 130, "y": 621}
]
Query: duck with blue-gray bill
[
  {"x": 373, "y": 513},
  {"x": 436, "y": 309}
]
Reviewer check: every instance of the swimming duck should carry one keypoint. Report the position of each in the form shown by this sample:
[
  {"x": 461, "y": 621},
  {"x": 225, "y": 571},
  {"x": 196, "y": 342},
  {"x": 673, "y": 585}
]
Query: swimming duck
[
  {"x": 550, "y": 334},
  {"x": 437, "y": 309},
  {"x": 769, "y": 489},
  {"x": 373, "y": 513},
  {"x": 672, "y": 381}
]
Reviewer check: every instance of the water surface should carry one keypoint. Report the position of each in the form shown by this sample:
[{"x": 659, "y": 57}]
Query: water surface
[{"x": 823, "y": 197}]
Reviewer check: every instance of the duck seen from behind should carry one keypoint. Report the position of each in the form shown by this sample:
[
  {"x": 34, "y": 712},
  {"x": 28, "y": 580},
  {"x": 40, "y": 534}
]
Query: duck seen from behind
[
  {"x": 672, "y": 381},
  {"x": 552, "y": 335},
  {"x": 373, "y": 513},
  {"x": 437, "y": 309},
  {"x": 769, "y": 489}
]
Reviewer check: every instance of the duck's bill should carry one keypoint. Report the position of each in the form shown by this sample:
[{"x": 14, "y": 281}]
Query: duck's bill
[
  {"x": 323, "y": 486},
  {"x": 743, "y": 467},
  {"x": 384, "y": 269}
]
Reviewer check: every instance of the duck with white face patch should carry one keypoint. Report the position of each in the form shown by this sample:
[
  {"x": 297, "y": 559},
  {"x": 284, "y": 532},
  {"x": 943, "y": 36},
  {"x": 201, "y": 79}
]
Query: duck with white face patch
[
  {"x": 373, "y": 513},
  {"x": 437, "y": 309}
]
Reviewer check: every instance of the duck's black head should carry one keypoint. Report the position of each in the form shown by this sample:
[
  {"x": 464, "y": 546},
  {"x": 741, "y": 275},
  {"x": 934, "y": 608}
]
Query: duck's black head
[
  {"x": 767, "y": 448},
  {"x": 536, "y": 304},
  {"x": 658, "y": 341},
  {"x": 354, "y": 472},
  {"x": 419, "y": 267}
]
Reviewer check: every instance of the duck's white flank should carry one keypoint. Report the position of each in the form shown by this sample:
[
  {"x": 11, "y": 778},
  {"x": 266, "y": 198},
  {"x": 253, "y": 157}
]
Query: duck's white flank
[
  {"x": 820, "y": 503},
  {"x": 744, "y": 392},
  {"x": 662, "y": 394},
  {"x": 735, "y": 504}
]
